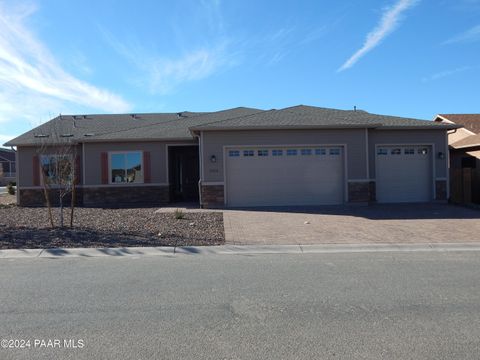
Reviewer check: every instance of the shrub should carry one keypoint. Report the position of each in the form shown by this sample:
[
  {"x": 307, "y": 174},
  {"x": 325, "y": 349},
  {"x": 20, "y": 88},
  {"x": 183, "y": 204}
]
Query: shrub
[
  {"x": 179, "y": 214},
  {"x": 13, "y": 183},
  {"x": 11, "y": 189}
]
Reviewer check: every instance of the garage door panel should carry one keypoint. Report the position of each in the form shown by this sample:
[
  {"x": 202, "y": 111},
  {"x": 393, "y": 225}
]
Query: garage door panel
[
  {"x": 404, "y": 174},
  {"x": 284, "y": 180}
]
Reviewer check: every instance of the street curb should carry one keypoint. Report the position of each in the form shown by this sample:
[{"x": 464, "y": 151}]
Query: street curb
[{"x": 234, "y": 250}]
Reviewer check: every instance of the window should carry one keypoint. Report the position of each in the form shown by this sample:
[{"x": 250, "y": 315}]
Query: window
[
  {"x": 409, "y": 151},
  {"x": 126, "y": 167},
  {"x": 262, "y": 152},
  {"x": 234, "y": 153},
  {"x": 248, "y": 152},
  {"x": 291, "y": 152},
  {"x": 320, "y": 151},
  {"x": 306, "y": 151},
  {"x": 423, "y": 151},
  {"x": 334, "y": 152},
  {"x": 381, "y": 151},
  {"x": 396, "y": 151},
  {"x": 56, "y": 169},
  {"x": 277, "y": 152}
]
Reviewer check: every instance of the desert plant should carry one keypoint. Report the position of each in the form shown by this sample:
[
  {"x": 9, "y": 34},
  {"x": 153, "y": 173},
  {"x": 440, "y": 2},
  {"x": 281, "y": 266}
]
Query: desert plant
[
  {"x": 179, "y": 214},
  {"x": 11, "y": 189},
  {"x": 58, "y": 160}
]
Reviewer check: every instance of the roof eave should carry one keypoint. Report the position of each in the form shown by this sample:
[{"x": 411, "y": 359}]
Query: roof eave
[
  {"x": 466, "y": 146},
  {"x": 282, "y": 127},
  {"x": 420, "y": 127},
  {"x": 157, "y": 139}
]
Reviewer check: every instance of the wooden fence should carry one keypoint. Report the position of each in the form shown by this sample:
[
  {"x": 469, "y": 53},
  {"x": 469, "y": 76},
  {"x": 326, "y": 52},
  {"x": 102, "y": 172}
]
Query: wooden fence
[{"x": 465, "y": 186}]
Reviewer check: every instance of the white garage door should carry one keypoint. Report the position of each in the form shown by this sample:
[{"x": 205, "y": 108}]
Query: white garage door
[
  {"x": 261, "y": 176},
  {"x": 404, "y": 174}
]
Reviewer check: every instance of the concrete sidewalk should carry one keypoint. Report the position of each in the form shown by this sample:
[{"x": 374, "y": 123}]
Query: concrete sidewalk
[{"x": 233, "y": 250}]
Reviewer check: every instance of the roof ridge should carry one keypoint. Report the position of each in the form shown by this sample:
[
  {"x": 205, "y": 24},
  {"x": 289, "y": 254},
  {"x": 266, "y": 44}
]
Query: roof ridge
[
  {"x": 168, "y": 122},
  {"x": 236, "y": 117}
]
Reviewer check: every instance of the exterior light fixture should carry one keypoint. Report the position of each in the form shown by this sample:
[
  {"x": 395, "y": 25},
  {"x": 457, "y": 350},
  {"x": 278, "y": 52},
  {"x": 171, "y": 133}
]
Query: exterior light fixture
[{"x": 213, "y": 159}]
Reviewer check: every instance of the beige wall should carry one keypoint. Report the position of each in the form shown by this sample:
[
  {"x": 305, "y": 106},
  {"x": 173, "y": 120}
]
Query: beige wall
[
  {"x": 214, "y": 141},
  {"x": 92, "y": 168},
  {"x": 158, "y": 156},
  {"x": 421, "y": 137},
  {"x": 25, "y": 163}
]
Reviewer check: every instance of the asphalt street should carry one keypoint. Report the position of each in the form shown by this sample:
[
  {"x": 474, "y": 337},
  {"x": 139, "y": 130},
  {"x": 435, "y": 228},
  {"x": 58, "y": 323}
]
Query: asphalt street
[{"x": 312, "y": 306}]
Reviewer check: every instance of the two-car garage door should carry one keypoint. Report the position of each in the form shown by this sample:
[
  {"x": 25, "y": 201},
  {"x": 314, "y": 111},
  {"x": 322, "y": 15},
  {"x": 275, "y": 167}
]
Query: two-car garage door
[{"x": 266, "y": 176}]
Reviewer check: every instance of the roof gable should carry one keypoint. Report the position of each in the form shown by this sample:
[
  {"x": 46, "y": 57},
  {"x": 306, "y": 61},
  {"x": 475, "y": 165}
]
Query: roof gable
[{"x": 469, "y": 121}]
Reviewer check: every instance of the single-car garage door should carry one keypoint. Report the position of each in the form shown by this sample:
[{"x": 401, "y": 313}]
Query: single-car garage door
[
  {"x": 272, "y": 176},
  {"x": 403, "y": 174}
]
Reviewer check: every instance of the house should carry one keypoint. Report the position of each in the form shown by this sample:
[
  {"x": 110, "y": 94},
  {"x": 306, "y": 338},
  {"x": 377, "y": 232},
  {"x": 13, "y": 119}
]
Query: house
[
  {"x": 301, "y": 155},
  {"x": 7, "y": 166},
  {"x": 464, "y": 146}
]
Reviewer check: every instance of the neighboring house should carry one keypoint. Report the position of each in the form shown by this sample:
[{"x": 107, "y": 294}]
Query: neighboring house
[
  {"x": 464, "y": 146},
  {"x": 301, "y": 155},
  {"x": 7, "y": 166}
]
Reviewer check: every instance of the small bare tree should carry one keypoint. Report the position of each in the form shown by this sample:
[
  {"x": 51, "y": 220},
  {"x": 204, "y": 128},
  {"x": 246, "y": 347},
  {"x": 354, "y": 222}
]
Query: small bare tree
[{"x": 57, "y": 157}]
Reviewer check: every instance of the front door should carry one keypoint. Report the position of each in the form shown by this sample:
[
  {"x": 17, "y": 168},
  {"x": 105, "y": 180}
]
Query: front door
[{"x": 183, "y": 172}]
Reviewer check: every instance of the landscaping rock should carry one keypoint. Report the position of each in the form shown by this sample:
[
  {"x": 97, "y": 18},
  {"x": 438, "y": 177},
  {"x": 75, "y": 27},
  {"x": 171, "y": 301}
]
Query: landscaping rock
[{"x": 29, "y": 228}]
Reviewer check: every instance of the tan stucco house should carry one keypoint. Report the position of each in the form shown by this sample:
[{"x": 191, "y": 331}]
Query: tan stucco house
[
  {"x": 464, "y": 164},
  {"x": 301, "y": 155}
]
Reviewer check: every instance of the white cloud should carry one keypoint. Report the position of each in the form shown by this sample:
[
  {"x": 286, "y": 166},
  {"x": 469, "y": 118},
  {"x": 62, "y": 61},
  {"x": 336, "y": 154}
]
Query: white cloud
[
  {"x": 164, "y": 74},
  {"x": 4, "y": 138},
  {"x": 446, "y": 73},
  {"x": 388, "y": 23},
  {"x": 470, "y": 35},
  {"x": 32, "y": 82}
]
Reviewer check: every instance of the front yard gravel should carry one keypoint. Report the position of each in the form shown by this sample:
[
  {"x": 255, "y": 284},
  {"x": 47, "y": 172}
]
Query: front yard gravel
[{"x": 28, "y": 228}]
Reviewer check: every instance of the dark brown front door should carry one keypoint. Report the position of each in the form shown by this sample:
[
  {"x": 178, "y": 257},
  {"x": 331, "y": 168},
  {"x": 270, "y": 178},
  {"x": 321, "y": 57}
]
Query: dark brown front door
[{"x": 183, "y": 171}]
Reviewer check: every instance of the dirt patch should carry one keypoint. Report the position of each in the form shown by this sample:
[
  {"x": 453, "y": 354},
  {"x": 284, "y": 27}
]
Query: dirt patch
[
  {"x": 7, "y": 199},
  {"x": 29, "y": 228}
]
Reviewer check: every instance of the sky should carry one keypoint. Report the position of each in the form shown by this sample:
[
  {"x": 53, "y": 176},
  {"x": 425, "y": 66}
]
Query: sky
[{"x": 412, "y": 58}]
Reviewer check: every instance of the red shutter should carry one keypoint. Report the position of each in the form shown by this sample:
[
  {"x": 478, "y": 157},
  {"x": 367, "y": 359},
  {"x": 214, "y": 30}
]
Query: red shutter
[
  {"x": 36, "y": 170},
  {"x": 147, "y": 174},
  {"x": 78, "y": 169},
  {"x": 104, "y": 161}
]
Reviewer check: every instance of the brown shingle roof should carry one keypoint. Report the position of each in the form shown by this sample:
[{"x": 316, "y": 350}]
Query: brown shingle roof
[
  {"x": 470, "y": 141},
  {"x": 469, "y": 121}
]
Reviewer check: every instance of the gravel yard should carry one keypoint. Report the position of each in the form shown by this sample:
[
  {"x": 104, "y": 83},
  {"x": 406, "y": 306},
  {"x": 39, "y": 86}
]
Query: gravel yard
[{"x": 28, "y": 228}]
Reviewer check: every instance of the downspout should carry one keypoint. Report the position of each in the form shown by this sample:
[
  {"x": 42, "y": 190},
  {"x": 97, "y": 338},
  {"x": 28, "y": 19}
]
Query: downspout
[
  {"x": 447, "y": 159},
  {"x": 200, "y": 155},
  {"x": 17, "y": 177}
]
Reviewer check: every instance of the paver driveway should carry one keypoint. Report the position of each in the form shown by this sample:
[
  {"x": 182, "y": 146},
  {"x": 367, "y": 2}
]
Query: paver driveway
[{"x": 412, "y": 223}]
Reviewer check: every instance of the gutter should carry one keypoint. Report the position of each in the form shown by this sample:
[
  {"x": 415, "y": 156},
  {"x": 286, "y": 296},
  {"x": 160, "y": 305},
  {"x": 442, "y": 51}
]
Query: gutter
[{"x": 325, "y": 127}]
